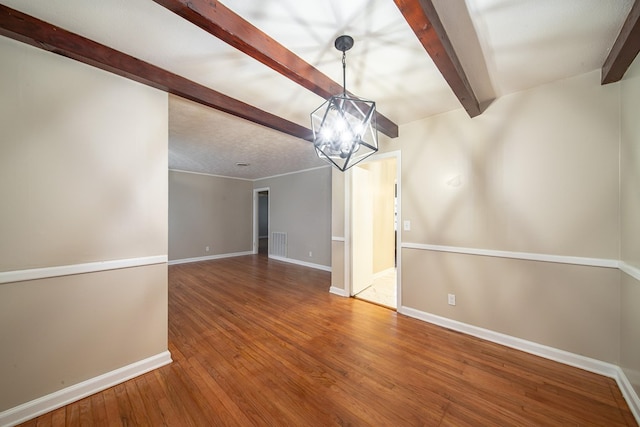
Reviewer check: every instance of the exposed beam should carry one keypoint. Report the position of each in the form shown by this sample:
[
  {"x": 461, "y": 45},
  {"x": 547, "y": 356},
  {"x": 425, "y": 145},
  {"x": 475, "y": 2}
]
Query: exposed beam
[
  {"x": 30, "y": 30},
  {"x": 625, "y": 48},
  {"x": 213, "y": 17},
  {"x": 423, "y": 19}
]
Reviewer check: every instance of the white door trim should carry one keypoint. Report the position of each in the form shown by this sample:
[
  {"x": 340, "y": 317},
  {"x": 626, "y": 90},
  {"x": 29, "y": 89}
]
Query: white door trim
[
  {"x": 256, "y": 210},
  {"x": 397, "y": 154}
]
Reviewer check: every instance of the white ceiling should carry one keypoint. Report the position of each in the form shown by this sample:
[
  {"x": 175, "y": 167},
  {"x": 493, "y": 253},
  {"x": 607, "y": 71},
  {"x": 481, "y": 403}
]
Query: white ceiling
[{"x": 505, "y": 46}]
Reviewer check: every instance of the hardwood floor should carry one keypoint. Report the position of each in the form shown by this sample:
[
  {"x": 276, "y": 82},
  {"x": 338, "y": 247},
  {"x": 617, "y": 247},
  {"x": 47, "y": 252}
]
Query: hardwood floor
[{"x": 261, "y": 342}]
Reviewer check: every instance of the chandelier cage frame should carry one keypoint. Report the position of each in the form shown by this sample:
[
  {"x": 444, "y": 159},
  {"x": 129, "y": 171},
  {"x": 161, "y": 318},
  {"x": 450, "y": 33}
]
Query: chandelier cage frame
[{"x": 344, "y": 126}]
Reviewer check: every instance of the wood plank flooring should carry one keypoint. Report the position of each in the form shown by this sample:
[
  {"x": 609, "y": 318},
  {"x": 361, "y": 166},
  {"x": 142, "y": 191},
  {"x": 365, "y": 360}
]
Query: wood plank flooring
[{"x": 261, "y": 342}]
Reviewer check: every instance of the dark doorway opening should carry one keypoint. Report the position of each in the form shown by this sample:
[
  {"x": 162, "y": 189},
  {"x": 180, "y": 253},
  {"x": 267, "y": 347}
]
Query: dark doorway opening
[{"x": 263, "y": 222}]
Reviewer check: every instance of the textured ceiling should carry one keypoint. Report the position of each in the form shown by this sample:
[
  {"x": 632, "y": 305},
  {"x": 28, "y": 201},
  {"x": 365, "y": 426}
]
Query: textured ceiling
[
  {"x": 215, "y": 138},
  {"x": 504, "y": 45}
]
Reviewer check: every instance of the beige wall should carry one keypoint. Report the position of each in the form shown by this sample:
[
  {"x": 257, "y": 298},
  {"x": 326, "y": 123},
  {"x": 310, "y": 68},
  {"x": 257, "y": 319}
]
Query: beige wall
[
  {"x": 537, "y": 172},
  {"x": 337, "y": 203},
  {"x": 530, "y": 174},
  {"x": 83, "y": 152},
  {"x": 83, "y": 177},
  {"x": 61, "y": 331},
  {"x": 569, "y": 307},
  {"x": 338, "y": 267},
  {"x": 630, "y": 224},
  {"x": 337, "y": 231},
  {"x": 212, "y": 211},
  {"x": 630, "y": 166},
  {"x": 630, "y": 329},
  {"x": 300, "y": 205}
]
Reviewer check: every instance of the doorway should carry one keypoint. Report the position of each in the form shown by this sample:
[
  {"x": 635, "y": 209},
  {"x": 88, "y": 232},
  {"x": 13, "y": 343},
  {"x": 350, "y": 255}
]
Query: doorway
[
  {"x": 261, "y": 221},
  {"x": 374, "y": 230}
]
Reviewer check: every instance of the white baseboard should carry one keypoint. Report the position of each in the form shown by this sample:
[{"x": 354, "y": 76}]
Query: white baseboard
[
  {"x": 628, "y": 392},
  {"x": 588, "y": 364},
  {"x": 209, "y": 257},
  {"x": 303, "y": 263},
  {"x": 338, "y": 291},
  {"x": 55, "y": 400}
]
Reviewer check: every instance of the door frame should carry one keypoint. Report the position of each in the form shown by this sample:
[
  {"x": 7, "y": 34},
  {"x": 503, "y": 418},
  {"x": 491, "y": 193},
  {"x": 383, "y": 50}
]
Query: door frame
[
  {"x": 397, "y": 154},
  {"x": 256, "y": 217}
]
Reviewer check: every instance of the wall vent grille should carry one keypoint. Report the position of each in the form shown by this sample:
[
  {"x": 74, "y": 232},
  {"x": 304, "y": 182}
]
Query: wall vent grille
[{"x": 279, "y": 244}]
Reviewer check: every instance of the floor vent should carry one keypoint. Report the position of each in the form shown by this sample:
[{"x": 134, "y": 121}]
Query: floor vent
[{"x": 279, "y": 244}]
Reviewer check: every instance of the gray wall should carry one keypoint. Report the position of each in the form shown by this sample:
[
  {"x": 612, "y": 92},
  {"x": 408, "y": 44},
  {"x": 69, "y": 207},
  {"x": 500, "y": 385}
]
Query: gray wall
[
  {"x": 211, "y": 211},
  {"x": 300, "y": 205},
  {"x": 83, "y": 178}
]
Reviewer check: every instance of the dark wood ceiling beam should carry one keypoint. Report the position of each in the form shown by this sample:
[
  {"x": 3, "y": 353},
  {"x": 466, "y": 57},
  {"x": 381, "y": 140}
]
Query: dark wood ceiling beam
[
  {"x": 423, "y": 19},
  {"x": 213, "y": 17},
  {"x": 625, "y": 48},
  {"x": 30, "y": 30}
]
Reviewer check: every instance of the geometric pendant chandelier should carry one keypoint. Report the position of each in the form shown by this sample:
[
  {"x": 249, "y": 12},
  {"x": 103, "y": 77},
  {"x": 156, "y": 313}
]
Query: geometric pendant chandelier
[{"x": 344, "y": 127}]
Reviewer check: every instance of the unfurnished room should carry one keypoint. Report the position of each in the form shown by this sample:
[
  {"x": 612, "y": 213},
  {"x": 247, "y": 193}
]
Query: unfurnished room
[{"x": 288, "y": 213}]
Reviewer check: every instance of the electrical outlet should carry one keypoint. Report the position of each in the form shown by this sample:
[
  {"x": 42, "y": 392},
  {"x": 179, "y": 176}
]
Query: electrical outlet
[
  {"x": 206, "y": 248},
  {"x": 310, "y": 254},
  {"x": 451, "y": 299},
  {"x": 407, "y": 225}
]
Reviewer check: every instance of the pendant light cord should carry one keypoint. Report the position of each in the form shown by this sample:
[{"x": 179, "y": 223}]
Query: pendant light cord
[{"x": 344, "y": 73}]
